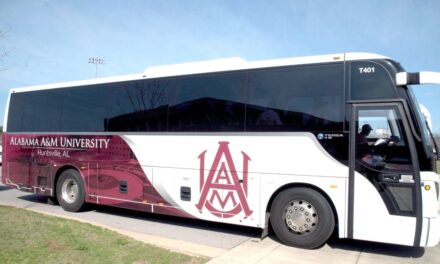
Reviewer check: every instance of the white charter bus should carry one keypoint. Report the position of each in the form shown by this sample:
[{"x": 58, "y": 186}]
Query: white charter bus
[{"x": 310, "y": 146}]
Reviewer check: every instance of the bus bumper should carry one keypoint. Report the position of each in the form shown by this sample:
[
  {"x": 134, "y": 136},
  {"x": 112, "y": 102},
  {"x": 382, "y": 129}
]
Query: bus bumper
[
  {"x": 431, "y": 230},
  {"x": 430, "y": 208}
]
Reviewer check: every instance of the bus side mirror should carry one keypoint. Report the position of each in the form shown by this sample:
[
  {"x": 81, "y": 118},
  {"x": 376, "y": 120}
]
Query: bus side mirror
[{"x": 407, "y": 78}]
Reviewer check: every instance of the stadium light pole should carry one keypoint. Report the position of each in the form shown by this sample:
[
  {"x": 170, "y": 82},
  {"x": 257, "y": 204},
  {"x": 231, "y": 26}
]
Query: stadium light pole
[{"x": 97, "y": 61}]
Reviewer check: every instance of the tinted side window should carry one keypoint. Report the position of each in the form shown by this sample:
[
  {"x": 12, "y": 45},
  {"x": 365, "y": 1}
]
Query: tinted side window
[
  {"x": 302, "y": 98},
  {"x": 15, "y": 113},
  {"x": 208, "y": 103},
  {"x": 370, "y": 80},
  {"x": 35, "y": 111},
  {"x": 84, "y": 109},
  {"x": 139, "y": 106}
]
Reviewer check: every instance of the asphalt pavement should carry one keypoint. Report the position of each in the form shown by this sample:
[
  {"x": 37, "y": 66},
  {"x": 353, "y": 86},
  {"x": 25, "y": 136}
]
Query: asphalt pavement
[{"x": 222, "y": 243}]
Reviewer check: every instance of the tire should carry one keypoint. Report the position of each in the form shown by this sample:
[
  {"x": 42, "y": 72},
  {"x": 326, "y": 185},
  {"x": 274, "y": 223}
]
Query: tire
[
  {"x": 70, "y": 191},
  {"x": 302, "y": 217}
]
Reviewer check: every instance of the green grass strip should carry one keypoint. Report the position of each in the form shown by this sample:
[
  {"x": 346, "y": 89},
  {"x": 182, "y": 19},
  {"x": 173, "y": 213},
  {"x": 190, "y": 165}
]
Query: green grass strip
[{"x": 29, "y": 237}]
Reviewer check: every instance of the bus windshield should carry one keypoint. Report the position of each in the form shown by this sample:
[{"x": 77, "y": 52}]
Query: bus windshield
[{"x": 421, "y": 122}]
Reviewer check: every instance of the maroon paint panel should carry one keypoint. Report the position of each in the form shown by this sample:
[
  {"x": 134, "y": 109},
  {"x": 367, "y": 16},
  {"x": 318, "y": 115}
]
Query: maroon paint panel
[{"x": 111, "y": 172}]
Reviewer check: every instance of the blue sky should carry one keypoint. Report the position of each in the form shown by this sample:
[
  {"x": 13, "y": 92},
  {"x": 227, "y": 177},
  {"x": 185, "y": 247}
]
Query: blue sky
[{"x": 51, "y": 41}]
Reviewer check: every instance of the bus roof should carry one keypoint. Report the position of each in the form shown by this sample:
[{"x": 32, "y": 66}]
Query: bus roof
[{"x": 221, "y": 65}]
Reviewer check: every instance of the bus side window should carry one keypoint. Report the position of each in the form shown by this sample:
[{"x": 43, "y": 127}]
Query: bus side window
[
  {"x": 298, "y": 111},
  {"x": 211, "y": 102},
  {"x": 370, "y": 80},
  {"x": 139, "y": 106},
  {"x": 261, "y": 116},
  {"x": 306, "y": 98}
]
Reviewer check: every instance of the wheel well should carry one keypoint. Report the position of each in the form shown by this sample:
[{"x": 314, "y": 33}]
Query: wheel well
[
  {"x": 57, "y": 176},
  {"x": 304, "y": 185}
]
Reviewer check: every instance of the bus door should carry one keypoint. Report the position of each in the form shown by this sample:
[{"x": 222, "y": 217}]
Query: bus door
[{"x": 384, "y": 193}]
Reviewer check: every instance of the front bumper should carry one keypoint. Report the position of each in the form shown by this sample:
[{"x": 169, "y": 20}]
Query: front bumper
[
  {"x": 430, "y": 209},
  {"x": 432, "y": 237}
]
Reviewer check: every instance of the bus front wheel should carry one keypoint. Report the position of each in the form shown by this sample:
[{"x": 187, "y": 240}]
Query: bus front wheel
[
  {"x": 302, "y": 217},
  {"x": 70, "y": 191}
]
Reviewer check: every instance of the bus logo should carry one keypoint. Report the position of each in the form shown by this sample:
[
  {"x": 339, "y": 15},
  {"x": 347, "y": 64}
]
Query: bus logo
[{"x": 222, "y": 192}]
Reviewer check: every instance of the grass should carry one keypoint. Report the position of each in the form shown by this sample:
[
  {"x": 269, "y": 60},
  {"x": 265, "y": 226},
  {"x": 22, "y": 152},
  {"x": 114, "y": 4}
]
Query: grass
[
  {"x": 438, "y": 167},
  {"x": 29, "y": 237}
]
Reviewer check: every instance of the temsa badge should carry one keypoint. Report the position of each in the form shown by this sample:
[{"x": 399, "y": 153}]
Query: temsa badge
[{"x": 222, "y": 192}]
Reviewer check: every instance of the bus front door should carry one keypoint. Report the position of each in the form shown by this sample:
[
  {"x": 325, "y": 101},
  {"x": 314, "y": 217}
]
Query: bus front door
[{"x": 384, "y": 193}]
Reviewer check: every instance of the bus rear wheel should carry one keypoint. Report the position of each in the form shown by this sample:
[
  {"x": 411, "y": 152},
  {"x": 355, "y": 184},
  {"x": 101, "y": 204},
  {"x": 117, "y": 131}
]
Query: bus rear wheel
[
  {"x": 70, "y": 191},
  {"x": 302, "y": 217}
]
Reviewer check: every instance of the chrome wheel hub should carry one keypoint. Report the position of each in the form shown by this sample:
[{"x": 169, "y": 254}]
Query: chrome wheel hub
[
  {"x": 301, "y": 217},
  {"x": 69, "y": 191}
]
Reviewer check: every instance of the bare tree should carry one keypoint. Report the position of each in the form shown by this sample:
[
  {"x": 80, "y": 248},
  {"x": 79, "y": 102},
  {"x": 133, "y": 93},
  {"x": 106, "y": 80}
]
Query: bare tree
[
  {"x": 3, "y": 51},
  {"x": 437, "y": 138}
]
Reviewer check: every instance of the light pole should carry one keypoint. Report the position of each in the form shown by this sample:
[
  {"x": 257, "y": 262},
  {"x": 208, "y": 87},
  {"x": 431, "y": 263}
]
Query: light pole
[{"x": 96, "y": 61}]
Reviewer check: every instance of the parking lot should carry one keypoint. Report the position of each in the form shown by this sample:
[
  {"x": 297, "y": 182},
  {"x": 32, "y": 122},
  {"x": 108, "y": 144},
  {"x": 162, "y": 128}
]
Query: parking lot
[{"x": 222, "y": 243}]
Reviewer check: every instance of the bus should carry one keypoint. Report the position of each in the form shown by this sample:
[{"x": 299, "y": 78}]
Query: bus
[{"x": 309, "y": 146}]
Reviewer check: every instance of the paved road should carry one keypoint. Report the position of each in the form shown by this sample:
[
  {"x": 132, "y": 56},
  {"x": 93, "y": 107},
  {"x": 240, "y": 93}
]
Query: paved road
[{"x": 224, "y": 243}]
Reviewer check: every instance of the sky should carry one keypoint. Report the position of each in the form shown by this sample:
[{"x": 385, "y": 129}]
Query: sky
[{"x": 50, "y": 41}]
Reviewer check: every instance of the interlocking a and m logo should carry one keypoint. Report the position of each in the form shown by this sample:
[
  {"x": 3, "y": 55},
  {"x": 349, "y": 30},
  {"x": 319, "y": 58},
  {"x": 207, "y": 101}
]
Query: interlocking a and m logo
[{"x": 222, "y": 192}]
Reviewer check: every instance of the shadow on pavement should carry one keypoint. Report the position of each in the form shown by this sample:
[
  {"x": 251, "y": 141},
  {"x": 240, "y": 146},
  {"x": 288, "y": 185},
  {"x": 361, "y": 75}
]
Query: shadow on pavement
[
  {"x": 369, "y": 247},
  {"x": 377, "y": 248},
  {"x": 179, "y": 221},
  {"x": 4, "y": 188},
  {"x": 164, "y": 219},
  {"x": 34, "y": 198}
]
